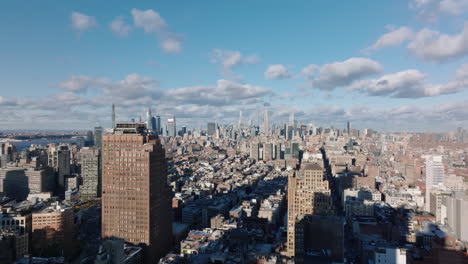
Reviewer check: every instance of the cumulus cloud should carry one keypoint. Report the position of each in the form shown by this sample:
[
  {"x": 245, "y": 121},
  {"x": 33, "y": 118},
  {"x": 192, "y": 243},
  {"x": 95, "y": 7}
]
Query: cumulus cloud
[
  {"x": 4, "y": 101},
  {"x": 432, "y": 10},
  {"x": 225, "y": 92},
  {"x": 119, "y": 27},
  {"x": 171, "y": 44},
  {"x": 341, "y": 74},
  {"x": 82, "y": 22},
  {"x": 434, "y": 46},
  {"x": 78, "y": 83},
  {"x": 229, "y": 59},
  {"x": 426, "y": 44},
  {"x": 411, "y": 84},
  {"x": 392, "y": 38},
  {"x": 133, "y": 86},
  {"x": 276, "y": 71},
  {"x": 152, "y": 22}
]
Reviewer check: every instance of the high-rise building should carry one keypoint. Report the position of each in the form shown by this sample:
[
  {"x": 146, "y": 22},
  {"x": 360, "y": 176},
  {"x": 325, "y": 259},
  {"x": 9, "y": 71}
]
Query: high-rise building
[
  {"x": 90, "y": 159},
  {"x": 171, "y": 127},
  {"x": 59, "y": 159},
  {"x": 348, "y": 128},
  {"x": 158, "y": 127},
  {"x": 52, "y": 229},
  {"x": 457, "y": 214},
  {"x": 211, "y": 129},
  {"x": 113, "y": 115},
  {"x": 308, "y": 194},
  {"x": 153, "y": 125},
  {"x": 136, "y": 200},
  {"x": 434, "y": 176},
  {"x": 266, "y": 121},
  {"x": 149, "y": 123},
  {"x": 98, "y": 137}
]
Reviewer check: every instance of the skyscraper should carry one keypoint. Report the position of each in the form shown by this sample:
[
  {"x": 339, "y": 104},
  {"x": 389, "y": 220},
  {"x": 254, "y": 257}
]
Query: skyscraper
[
  {"x": 434, "y": 176},
  {"x": 266, "y": 121},
  {"x": 171, "y": 127},
  {"x": 153, "y": 125},
  {"x": 348, "y": 128},
  {"x": 240, "y": 120},
  {"x": 136, "y": 200},
  {"x": 211, "y": 128},
  {"x": 158, "y": 127},
  {"x": 308, "y": 194},
  {"x": 148, "y": 120},
  {"x": 59, "y": 159},
  {"x": 90, "y": 159},
  {"x": 113, "y": 115},
  {"x": 98, "y": 137}
]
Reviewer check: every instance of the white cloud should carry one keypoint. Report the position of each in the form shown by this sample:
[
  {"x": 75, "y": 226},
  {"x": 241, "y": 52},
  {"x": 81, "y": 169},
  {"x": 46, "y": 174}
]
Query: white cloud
[
  {"x": 82, "y": 22},
  {"x": 453, "y": 7},
  {"x": 78, "y": 83},
  {"x": 228, "y": 59},
  {"x": 341, "y": 74},
  {"x": 397, "y": 84},
  {"x": 132, "y": 87},
  {"x": 225, "y": 92},
  {"x": 149, "y": 20},
  {"x": 310, "y": 70},
  {"x": 152, "y": 22},
  {"x": 419, "y": 3},
  {"x": 276, "y": 71},
  {"x": 426, "y": 44},
  {"x": 392, "y": 38},
  {"x": 411, "y": 84},
  {"x": 171, "y": 45},
  {"x": 435, "y": 46},
  {"x": 119, "y": 27}
]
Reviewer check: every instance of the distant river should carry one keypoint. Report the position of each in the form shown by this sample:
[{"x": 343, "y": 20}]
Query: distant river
[{"x": 20, "y": 145}]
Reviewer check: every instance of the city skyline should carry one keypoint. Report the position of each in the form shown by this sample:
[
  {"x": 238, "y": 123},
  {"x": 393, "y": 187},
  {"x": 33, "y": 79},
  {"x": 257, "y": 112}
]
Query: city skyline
[{"x": 399, "y": 70}]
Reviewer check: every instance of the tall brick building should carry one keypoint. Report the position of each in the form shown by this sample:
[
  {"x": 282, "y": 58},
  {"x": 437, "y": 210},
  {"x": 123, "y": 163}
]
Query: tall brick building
[
  {"x": 136, "y": 200},
  {"x": 308, "y": 194}
]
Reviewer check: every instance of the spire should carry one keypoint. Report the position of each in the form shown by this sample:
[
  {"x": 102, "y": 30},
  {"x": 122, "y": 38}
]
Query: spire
[
  {"x": 148, "y": 120},
  {"x": 113, "y": 116}
]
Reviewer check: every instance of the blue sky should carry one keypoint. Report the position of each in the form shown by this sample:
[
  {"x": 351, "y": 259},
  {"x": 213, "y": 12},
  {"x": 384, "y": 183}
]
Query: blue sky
[{"x": 389, "y": 65}]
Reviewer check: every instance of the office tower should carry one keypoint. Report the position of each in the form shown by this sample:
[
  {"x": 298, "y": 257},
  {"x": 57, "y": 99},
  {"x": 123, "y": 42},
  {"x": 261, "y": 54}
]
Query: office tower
[
  {"x": 7, "y": 153},
  {"x": 89, "y": 138},
  {"x": 98, "y": 137},
  {"x": 457, "y": 214},
  {"x": 149, "y": 124},
  {"x": 52, "y": 230},
  {"x": 240, "y": 120},
  {"x": 434, "y": 176},
  {"x": 171, "y": 127},
  {"x": 291, "y": 119},
  {"x": 266, "y": 122},
  {"x": 267, "y": 152},
  {"x": 348, "y": 127},
  {"x": 183, "y": 130},
  {"x": 113, "y": 115},
  {"x": 14, "y": 183},
  {"x": 308, "y": 194},
  {"x": 158, "y": 125},
  {"x": 59, "y": 159},
  {"x": 136, "y": 200},
  {"x": 40, "y": 179},
  {"x": 153, "y": 125},
  {"x": 211, "y": 129},
  {"x": 90, "y": 159},
  {"x": 255, "y": 150}
]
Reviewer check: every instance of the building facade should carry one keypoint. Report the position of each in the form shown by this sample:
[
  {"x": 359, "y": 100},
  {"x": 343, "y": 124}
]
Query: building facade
[{"x": 136, "y": 200}]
